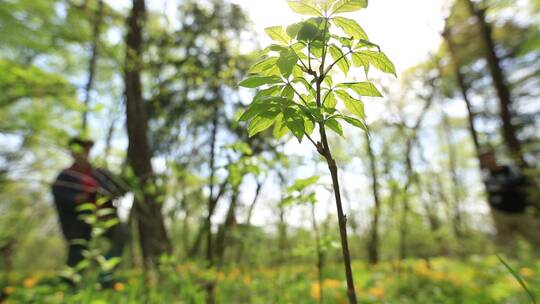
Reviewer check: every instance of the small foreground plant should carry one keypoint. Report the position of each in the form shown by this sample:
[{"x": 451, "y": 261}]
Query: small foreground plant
[{"x": 297, "y": 91}]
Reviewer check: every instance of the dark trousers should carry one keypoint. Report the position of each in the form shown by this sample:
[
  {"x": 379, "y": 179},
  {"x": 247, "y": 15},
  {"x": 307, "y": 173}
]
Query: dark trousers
[{"x": 74, "y": 229}]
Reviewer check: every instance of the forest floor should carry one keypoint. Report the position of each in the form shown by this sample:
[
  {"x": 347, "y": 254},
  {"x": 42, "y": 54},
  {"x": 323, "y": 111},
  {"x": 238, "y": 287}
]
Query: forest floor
[{"x": 439, "y": 280}]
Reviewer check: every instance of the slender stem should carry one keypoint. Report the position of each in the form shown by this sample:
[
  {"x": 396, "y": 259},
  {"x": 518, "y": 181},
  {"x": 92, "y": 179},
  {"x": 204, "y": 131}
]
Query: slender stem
[{"x": 325, "y": 151}]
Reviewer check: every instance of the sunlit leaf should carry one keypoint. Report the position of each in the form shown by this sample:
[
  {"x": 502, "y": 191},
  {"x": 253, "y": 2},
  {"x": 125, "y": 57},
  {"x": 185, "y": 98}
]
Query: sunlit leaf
[
  {"x": 278, "y": 34},
  {"x": 350, "y": 27},
  {"x": 345, "y": 6},
  {"x": 304, "y": 7}
]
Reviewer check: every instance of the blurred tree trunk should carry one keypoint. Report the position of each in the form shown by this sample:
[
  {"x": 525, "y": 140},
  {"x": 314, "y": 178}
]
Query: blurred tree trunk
[
  {"x": 153, "y": 236},
  {"x": 373, "y": 244},
  {"x": 98, "y": 18},
  {"x": 457, "y": 218},
  {"x": 247, "y": 238},
  {"x": 212, "y": 202},
  {"x": 500, "y": 83},
  {"x": 462, "y": 87},
  {"x": 230, "y": 221}
]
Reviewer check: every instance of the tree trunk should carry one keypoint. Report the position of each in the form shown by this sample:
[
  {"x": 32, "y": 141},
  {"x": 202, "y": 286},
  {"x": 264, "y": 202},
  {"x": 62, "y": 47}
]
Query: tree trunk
[
  {"x": 230, "y": 220},
  {"x": 500, "y": 83},
  {"x": 211, "y": 201},
  {"x": 153, "y": 236},
  {"x": 373, "y": 245},
  {"x": 245, "y": 239},
  {"x": 92, "y": 63},
  {"x": 462, "y": 88},
  {"x": 452, "y": 163}
]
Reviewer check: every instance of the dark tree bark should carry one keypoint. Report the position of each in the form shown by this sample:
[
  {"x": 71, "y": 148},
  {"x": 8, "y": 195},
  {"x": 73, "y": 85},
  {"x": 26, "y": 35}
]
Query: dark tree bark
[
  {"x": 153, "y": 235},
  {"x": 500, "y": 83},
  {"x": 230, "y": 220},
  {"x": 373, "y": 245},
  {"x": 98, "y": 18},
  {"x": 463, "y": 88}
]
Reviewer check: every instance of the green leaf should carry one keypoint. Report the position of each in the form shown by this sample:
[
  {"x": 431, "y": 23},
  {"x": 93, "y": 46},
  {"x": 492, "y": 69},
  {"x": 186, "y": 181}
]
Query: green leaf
[
  {"x": 328, "y": 81},
  {"x": 335, "y": 126},
  {"x": 302, "y": 183},
  {"x": 359, "y": 61},
  {"x": 307, "y": 32},
  {"x": 263, "y": 65},
  {"x": 342, "y": 61},
  {"x": 329, "y": 99},
  {"x": 378, "y": 60},
  {"x": 297, "y": 72},
  {"x": 288, "y": 92},
  {"x": 350, "y": 27},
  {"x": 309, "y": 126},
  {"x": 261, "y": 122},
  {"x": 345, "y": 6},
  {"x": 286, "y": 62},
  {"x": 355, "y": 122},
  {"x": 280, "y": 129},
  {"x": 519, "y": 280},
  {"x": 355, "y": 106},
  {"x": 304, "y": 7},
  {"x": 295, "y": 123},
  {"x": 306, "y": 84},
  {"x": 257, "y": 81},
  {"x": 345, "y": 42},
  {"x": 278, "y": 34},
  {"x": 362, "y": 88},
  {"x": 86, "y": 207},
  {"x": 292, "y": 30},
  {"x": 256, "y": 108}
]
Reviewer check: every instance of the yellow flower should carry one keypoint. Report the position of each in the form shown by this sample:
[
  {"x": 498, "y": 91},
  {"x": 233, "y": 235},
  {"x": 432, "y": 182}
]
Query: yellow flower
[
  {"x": 247, "y": 279},
  {"x": 119, "y": 286},
  {"x": 9, "y": 290},
  {"x": 316, "y": 291},
  {"x": 526, "y": 272},
  {"x": 332, "y": 284},
  {"x": 377, "y": 292},
  {"x": 30, "y": 282}
]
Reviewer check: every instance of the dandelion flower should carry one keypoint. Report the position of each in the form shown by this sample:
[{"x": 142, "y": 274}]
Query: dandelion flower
[
  {"x": 9, "y": 290},
  {"x": 119, "y": 286},
  {"x": 377, "y": 292},
  {"x": 30, "y": 282},
  {"x": 526, "y": 272},
  {"x": 316, "y": 291}
]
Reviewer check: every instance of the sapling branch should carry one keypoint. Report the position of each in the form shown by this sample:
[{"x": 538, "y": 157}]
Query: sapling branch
[{"x": 316, "y": 37}]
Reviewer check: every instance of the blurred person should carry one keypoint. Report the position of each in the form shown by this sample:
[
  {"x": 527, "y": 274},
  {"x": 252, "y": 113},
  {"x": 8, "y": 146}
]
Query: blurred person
[
  {"x": 79, "y": 184},
  {"x": 507, "y": 187}
]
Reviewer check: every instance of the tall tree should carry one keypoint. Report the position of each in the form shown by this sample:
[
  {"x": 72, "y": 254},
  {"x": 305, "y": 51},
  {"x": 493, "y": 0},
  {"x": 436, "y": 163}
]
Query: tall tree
[
  {"x": 373, "y": 244},
  {"x": 151, "y": 227},
  {"x": 98, "y": 17},
  {"x": 499, "y": 81}
]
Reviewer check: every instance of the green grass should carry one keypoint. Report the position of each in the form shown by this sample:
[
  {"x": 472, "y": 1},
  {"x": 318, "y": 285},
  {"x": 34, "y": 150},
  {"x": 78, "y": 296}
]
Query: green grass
[{"x": 479, "y": 280}]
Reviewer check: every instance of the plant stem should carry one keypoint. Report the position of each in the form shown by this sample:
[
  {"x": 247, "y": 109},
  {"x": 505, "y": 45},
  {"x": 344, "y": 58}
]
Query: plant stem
[{"x": 342, "y": 220}]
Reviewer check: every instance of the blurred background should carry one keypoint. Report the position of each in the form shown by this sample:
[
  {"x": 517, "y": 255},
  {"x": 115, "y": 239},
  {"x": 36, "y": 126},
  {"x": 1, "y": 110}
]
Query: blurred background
[{"x": 416, "y": 189}]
